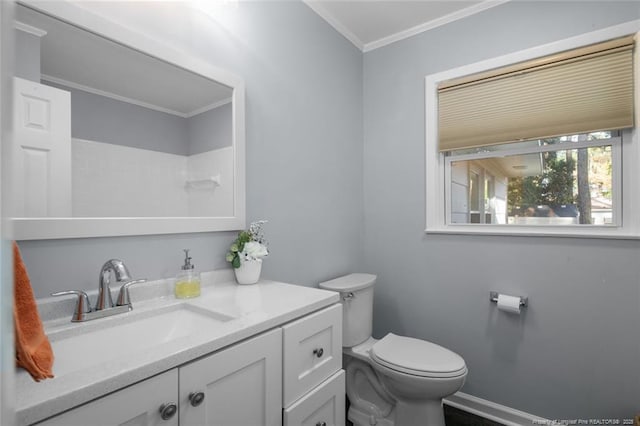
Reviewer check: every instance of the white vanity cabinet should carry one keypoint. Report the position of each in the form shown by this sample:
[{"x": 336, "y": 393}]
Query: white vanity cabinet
[
  {"x": 241, "y": 385},
  {"x": 290, "y": 374},
  {"x": 136, "y": 405},
  {"x": 314, "y": 384}
]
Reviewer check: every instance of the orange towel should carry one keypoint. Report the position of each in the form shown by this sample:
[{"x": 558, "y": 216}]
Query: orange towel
[{"x": 33, "y": 350}]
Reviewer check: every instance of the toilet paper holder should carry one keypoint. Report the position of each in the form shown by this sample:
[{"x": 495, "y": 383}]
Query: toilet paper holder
[{"x": 493, "y": 296}]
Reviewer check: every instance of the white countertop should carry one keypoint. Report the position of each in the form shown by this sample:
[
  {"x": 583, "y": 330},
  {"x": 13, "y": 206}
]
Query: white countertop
[{"x": 255, "y": 308}]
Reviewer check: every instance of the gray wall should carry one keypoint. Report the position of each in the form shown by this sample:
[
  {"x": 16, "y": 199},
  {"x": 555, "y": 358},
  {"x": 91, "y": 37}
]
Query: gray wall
[
  {"x": 98, "y": 118},
  {"x": 575, "y": 352},
  {"x": 27, "y": 56},
  {"x": 210, "y": 130},
  {"x": 304, "y": 159}
]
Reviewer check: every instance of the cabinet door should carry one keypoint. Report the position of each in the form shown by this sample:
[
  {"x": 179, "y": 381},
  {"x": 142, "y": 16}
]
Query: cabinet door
[
  {"x": 312, "y": 351},
  {"x": 241, "y": 385},
  {"x": 323, "y": 406},
  {"x": 137, "y": 405}
]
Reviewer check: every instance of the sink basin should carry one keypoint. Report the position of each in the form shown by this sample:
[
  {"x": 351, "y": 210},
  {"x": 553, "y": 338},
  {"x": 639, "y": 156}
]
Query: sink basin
[{"x": 121, "y": 336}]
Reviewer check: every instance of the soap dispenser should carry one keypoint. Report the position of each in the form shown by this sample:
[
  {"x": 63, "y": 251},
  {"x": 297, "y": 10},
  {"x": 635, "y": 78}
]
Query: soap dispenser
[{"x": 188, "y": 280}]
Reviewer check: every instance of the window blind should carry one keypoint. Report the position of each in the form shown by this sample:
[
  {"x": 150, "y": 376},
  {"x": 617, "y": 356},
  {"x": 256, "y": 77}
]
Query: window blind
[{"x": 583, "y": 90}]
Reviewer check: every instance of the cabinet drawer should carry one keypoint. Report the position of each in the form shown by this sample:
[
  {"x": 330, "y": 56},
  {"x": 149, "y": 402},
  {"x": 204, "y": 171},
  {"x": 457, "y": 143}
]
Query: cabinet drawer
[
  {"x": 323, "y": 406},
  {"x": 312, "y": 351}
]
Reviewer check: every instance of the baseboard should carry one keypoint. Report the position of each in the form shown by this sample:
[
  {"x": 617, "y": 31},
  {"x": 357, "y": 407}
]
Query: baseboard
[{"x": 492, "y": 411}]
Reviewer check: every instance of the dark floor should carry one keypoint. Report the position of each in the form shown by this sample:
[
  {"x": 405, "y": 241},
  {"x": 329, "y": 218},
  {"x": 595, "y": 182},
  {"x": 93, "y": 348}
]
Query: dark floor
[{"x": 456, "y": 417}]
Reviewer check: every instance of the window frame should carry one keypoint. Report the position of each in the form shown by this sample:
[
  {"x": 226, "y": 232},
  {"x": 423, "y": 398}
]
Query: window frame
[{"x": 627, "y": 224}]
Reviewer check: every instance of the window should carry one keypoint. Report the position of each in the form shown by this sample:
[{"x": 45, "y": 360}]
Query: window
[
  {"x": 538, "y": 142},
  {"x": 568, "y": 180}
]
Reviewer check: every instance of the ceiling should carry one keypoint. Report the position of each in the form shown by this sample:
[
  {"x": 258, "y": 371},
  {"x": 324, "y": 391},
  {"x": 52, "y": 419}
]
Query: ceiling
[
  {"x": 370, "y": 24},
  {"x": 103, "y": 67},
  {"x": 96, "y": 63}
]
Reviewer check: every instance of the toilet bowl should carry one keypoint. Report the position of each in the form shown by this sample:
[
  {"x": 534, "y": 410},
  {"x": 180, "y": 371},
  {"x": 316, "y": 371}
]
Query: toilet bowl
[{"x": 397, "y": 380}]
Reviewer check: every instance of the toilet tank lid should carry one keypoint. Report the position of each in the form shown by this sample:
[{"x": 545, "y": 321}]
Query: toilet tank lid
[{"x": 351, "y": 282}]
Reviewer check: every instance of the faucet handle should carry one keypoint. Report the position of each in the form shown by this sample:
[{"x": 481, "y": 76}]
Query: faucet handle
[
  {"x": 123, "y": 296},
  {"x": 82, "y": 303}
]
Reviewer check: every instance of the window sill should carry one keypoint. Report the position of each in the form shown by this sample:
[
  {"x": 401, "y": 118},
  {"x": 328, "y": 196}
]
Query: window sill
[{"x": 603, "y": 232}]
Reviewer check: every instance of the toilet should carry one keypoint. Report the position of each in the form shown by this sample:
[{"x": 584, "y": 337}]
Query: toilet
[{"x": 397, "y": 380}]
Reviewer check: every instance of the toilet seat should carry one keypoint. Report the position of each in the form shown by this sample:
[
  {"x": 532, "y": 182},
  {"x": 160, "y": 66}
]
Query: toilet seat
[{"x": 417, "y": 357}]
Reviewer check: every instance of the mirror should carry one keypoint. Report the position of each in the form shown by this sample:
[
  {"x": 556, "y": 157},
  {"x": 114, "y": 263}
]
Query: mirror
[{"x": 116, "y": 134}]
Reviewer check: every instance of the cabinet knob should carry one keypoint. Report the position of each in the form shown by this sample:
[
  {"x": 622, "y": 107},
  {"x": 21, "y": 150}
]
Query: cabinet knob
[
  {"x": 321, "y": 424},
  {"x": 196, "y": 398},
  {"x": 318, "y": 352},
  {"x": 168, "y": 410}
]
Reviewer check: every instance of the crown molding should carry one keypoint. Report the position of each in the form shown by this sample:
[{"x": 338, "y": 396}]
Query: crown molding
[
  {"x": 110, "y": 95},
  {"x": 337, "y": 25},
  {"x": 429, "y": 25},
  {"x": 316, "y": 6},
  {"x": 29, "y": 29},
  {"x": 208, "y": 107}
]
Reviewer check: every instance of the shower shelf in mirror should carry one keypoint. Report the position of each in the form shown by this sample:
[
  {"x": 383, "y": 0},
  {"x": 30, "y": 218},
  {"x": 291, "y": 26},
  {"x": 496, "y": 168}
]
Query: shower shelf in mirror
[{"x": 210, "y": 182}]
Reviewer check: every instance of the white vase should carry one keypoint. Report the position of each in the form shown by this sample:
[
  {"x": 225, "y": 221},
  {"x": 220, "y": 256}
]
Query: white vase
[{"x": 249, "y": 271}]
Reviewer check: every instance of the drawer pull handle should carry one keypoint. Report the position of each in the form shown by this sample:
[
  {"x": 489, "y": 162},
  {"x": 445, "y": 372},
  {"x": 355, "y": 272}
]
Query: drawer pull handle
[
  {"x": 321, "y": 424},
  {"x": 196, "y": 398},
  {"x": 318, "y": 352},
  {"x": 168, "y": 410}
]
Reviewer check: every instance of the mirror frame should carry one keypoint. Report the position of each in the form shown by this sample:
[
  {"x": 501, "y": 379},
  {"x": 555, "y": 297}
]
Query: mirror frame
[{"x": 84, "y": 227}]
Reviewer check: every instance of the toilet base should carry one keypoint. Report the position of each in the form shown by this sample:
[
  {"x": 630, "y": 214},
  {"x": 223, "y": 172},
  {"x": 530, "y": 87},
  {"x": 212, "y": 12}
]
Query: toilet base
[
  {"x": 360, "y": 418},
  {"x": 381, "y": 396},
  {"x": 427, "y": 413},
  {"x": 372, "y": 405}
]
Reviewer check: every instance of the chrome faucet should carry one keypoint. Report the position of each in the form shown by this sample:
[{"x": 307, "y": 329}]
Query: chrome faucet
[
  {"x": 104, "y": 304},
  {"x": 104, "y": 291}
]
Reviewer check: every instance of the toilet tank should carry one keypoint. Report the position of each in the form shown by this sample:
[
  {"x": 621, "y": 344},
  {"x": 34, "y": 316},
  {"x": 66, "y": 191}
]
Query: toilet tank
[{"x": 356, "y": 296}]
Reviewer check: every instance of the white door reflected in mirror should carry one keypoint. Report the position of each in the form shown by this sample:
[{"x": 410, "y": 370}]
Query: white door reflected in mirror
[{"x": 41, "y": 150}]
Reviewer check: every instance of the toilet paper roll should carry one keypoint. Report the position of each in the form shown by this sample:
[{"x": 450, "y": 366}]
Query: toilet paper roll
[{"x": 509, "y": 304}]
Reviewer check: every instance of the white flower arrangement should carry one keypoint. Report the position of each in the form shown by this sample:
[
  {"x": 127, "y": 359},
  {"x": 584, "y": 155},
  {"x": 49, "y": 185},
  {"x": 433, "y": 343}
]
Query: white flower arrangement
[
  {"x": 253, "y": 250},
  {"x": 250, "y": 245}
]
